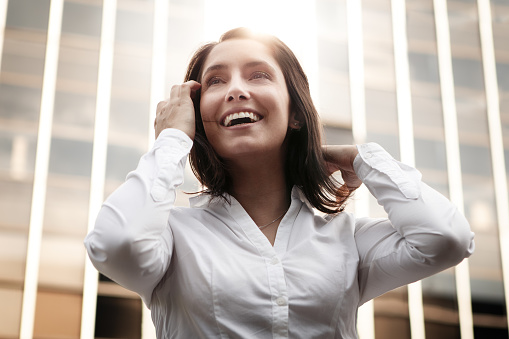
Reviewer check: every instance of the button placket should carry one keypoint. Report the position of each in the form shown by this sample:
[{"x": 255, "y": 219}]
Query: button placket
[
  {"x": 275, "y": 271},
  {"x": 281, "y": 301}
]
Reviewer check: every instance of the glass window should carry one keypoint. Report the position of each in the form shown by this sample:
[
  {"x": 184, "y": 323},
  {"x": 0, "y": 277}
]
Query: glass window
[
  {"x": 122, "y": 160},
  {"x": 180, "y": 47},
  {"x": 431, "y": 155},
  {"x": 118, "y": 318},
  {"x": 67, "y": 199},
  {"x": 20, "y": 103},
  {"x": 338, "y": 136},
  {"x": 476, "y": 163},
  {"x": 12, "y": 257},
  {"x": 10, "y": 312},
  {"x": 28, "y": 14},
  {"x": 57, "y": 315},
  {"x": 70, "y": 157},
  {"x": 62, "y": 262},
  {"x": 74, "y": 115},
  {"x": 81, "y": 18},
  {"x": 468, "y": 73},
  {"x": 334, "y": 91},
  {"x": 500, "y": 25},
  {"x": 134, "y": 26},
  {"x": 503, "y": 76},
  {"x": 424, "y": 67}
]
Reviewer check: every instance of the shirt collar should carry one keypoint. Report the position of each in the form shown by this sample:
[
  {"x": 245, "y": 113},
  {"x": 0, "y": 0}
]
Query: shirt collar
[{"x": 203, "y": 200}]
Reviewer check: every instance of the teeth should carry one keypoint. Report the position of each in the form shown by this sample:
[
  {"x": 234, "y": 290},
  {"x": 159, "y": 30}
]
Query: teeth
[{"x": 253, "y": 117}]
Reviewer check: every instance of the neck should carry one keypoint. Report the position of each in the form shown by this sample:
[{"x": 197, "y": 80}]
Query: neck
[{"x": 259, "y": 185}]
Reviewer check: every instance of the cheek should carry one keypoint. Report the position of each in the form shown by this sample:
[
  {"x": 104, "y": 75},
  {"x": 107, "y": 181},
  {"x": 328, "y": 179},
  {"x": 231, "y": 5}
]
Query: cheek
[
  {"x": 208, "y": 118},
  {"x": 208, "y": 107},
  {"x": 203, "y": 108}
]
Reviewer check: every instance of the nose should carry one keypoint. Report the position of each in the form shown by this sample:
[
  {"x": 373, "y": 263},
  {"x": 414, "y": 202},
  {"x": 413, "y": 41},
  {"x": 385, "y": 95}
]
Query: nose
[{"x": 237, "y": 90}]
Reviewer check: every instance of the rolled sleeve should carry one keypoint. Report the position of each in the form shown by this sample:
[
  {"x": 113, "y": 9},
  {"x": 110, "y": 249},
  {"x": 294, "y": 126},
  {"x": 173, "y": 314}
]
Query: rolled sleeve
[
  {"x": 171, "y": 145},
  {"x": 131, "y": 242},
  {"x": 373, "y": 157},
  {"x": 423, "y": 235}
]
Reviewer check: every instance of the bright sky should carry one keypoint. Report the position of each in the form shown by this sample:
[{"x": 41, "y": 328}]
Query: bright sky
[{"x": 293, "y": 21}]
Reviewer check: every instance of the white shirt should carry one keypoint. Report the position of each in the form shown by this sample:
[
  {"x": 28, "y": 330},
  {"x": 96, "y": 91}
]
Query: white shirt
[{"x": 208, "y": 272}]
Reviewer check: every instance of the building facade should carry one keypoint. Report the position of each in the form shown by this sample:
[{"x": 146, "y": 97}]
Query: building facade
[{"x": 79, "y": 82}]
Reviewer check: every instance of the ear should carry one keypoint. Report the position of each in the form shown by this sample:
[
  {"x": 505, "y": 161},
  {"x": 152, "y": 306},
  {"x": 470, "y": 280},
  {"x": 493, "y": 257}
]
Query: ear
[{"x": 293, "y": 122}]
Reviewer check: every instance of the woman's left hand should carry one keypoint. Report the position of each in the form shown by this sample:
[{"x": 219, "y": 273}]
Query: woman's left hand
[{"x": 340, "y": 158}]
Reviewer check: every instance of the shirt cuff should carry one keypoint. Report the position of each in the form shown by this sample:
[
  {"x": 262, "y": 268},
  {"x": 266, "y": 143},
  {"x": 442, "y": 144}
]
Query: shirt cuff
[
  {"x": 372, "y": 157},
  {"x": 174, "y": 137},
  {"x": 170, "y": 149}
]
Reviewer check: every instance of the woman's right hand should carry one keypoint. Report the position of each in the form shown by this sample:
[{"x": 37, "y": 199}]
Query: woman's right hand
[{"x": 178, "y": 110}]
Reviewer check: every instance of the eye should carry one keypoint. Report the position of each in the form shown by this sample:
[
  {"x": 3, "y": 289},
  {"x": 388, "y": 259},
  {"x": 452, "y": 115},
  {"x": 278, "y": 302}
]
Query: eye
[
  {"x": 260, "y": 75},
  {"x": 213, "y": 81}
]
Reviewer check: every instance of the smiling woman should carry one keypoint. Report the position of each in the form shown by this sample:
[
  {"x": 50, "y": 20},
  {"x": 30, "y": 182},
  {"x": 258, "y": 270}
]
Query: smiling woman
[
  {"x": 234, "y": 65},
  {"x": 251, "y": 257},
  {"x": 245, "y": 84}
]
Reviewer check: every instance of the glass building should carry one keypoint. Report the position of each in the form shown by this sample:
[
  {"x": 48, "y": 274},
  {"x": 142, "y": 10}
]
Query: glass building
[{"x": 79, "y": 82}]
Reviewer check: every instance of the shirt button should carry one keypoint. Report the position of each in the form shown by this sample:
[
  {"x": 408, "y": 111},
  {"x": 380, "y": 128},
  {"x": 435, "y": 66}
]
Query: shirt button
[
  {"x": 369, "y": 155},
  {"x": 274, "y": 261},
  {"x": 281, "y": 301}
]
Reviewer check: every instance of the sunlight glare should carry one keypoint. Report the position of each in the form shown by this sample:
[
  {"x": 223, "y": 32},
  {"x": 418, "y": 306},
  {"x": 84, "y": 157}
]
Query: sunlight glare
[{"x": 292, "y": 21}]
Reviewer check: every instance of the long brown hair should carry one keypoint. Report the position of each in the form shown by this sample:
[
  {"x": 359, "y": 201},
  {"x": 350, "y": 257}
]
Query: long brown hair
[{"x": 305, "y": 165}]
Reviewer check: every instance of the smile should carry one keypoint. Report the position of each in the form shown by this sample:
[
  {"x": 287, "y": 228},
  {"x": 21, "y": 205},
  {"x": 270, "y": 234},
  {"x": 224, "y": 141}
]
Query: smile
[{"x": 240, "y": 118}]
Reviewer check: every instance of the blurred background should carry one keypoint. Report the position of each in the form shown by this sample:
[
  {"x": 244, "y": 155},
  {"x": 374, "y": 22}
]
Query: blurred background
[{"x": 79, "y": 81}]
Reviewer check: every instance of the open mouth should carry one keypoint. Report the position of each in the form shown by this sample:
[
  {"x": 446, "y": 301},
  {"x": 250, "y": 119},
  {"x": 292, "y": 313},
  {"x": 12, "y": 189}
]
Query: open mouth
[{"x": 240, "y": 118}]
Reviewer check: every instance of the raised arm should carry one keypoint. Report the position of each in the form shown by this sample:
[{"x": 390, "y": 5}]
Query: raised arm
[
  {"x": 424, "y": 235},
  {"x": 132, "y": 242}
]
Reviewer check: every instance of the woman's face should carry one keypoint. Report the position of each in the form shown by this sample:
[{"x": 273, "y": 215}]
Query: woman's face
[{"x": 244, "y": 100}]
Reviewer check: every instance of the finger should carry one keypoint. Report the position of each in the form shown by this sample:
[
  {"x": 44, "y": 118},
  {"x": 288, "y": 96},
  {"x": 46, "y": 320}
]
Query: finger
[
  {"x": 174, "y": 93},
  {"x": 161, "y": 105},
  {"x": 189, "y": 89},
  {"x": 192, "y": 84},
  {"x": 194, "y": 92}
]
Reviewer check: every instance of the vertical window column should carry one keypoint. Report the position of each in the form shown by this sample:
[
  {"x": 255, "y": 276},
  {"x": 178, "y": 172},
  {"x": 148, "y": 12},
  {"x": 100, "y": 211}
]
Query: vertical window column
[
  {"x": 41, "y": 170},
  {"x": 407, "y": 150},
  {"x": 495, "y": 134},
  {"x": 3, "y": 16},
  {"x": 453, "y": 156},
  {"x": 99, "y": 158},
  {"x": 158, "y": 72},
  {"x": 366, "y": 314},
  {"x": 157, "y": 86}
]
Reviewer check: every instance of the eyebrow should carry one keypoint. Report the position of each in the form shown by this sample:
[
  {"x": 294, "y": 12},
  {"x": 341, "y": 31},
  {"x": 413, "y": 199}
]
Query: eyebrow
[
  {"x": 250, "y": 64},
  {"x": 259, "y": 63},
  {"x": 214, "y": 68}
]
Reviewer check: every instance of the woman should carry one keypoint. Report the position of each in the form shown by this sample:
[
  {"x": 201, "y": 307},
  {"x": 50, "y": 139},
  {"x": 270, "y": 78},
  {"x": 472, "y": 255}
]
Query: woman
[{"x": 250, "y": 257}]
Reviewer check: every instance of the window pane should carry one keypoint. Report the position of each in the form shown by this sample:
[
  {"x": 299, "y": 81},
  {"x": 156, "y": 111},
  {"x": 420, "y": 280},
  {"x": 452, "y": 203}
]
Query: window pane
[
  {"x": 58, "y": 315},
  {"x": 10, "y": 312}
]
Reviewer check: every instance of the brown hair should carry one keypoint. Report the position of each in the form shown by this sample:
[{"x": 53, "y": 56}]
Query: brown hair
[{"x": 305, "y": 165}]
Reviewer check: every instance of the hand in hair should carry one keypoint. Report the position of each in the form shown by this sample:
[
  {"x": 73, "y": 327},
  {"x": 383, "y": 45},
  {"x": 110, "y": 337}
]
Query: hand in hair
[
  {"x": 177, "y": 111},
  {"x": 340, "y": 158}
]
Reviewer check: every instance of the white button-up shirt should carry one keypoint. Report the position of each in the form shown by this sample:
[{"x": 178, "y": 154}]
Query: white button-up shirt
[{"x": 208, "y": 272}]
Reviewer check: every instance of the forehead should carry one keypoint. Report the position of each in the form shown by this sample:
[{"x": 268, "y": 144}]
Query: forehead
[{"x": 240, "y": 51}]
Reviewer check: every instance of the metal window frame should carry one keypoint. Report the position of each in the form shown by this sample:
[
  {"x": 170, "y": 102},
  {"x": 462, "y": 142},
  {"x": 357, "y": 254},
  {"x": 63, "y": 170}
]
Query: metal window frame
[
  {"x": 99, "y": 157},
  {"x": 406, "y": 141},
  {"x": 41, "y": 170},
  {"x": 366, "y": 314},
  {"x": 496, "y": 138},
  {"x": 3, "y": 19},
  {"x": 453, "y": 156},
  {"x": 157, "y": 93}
]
